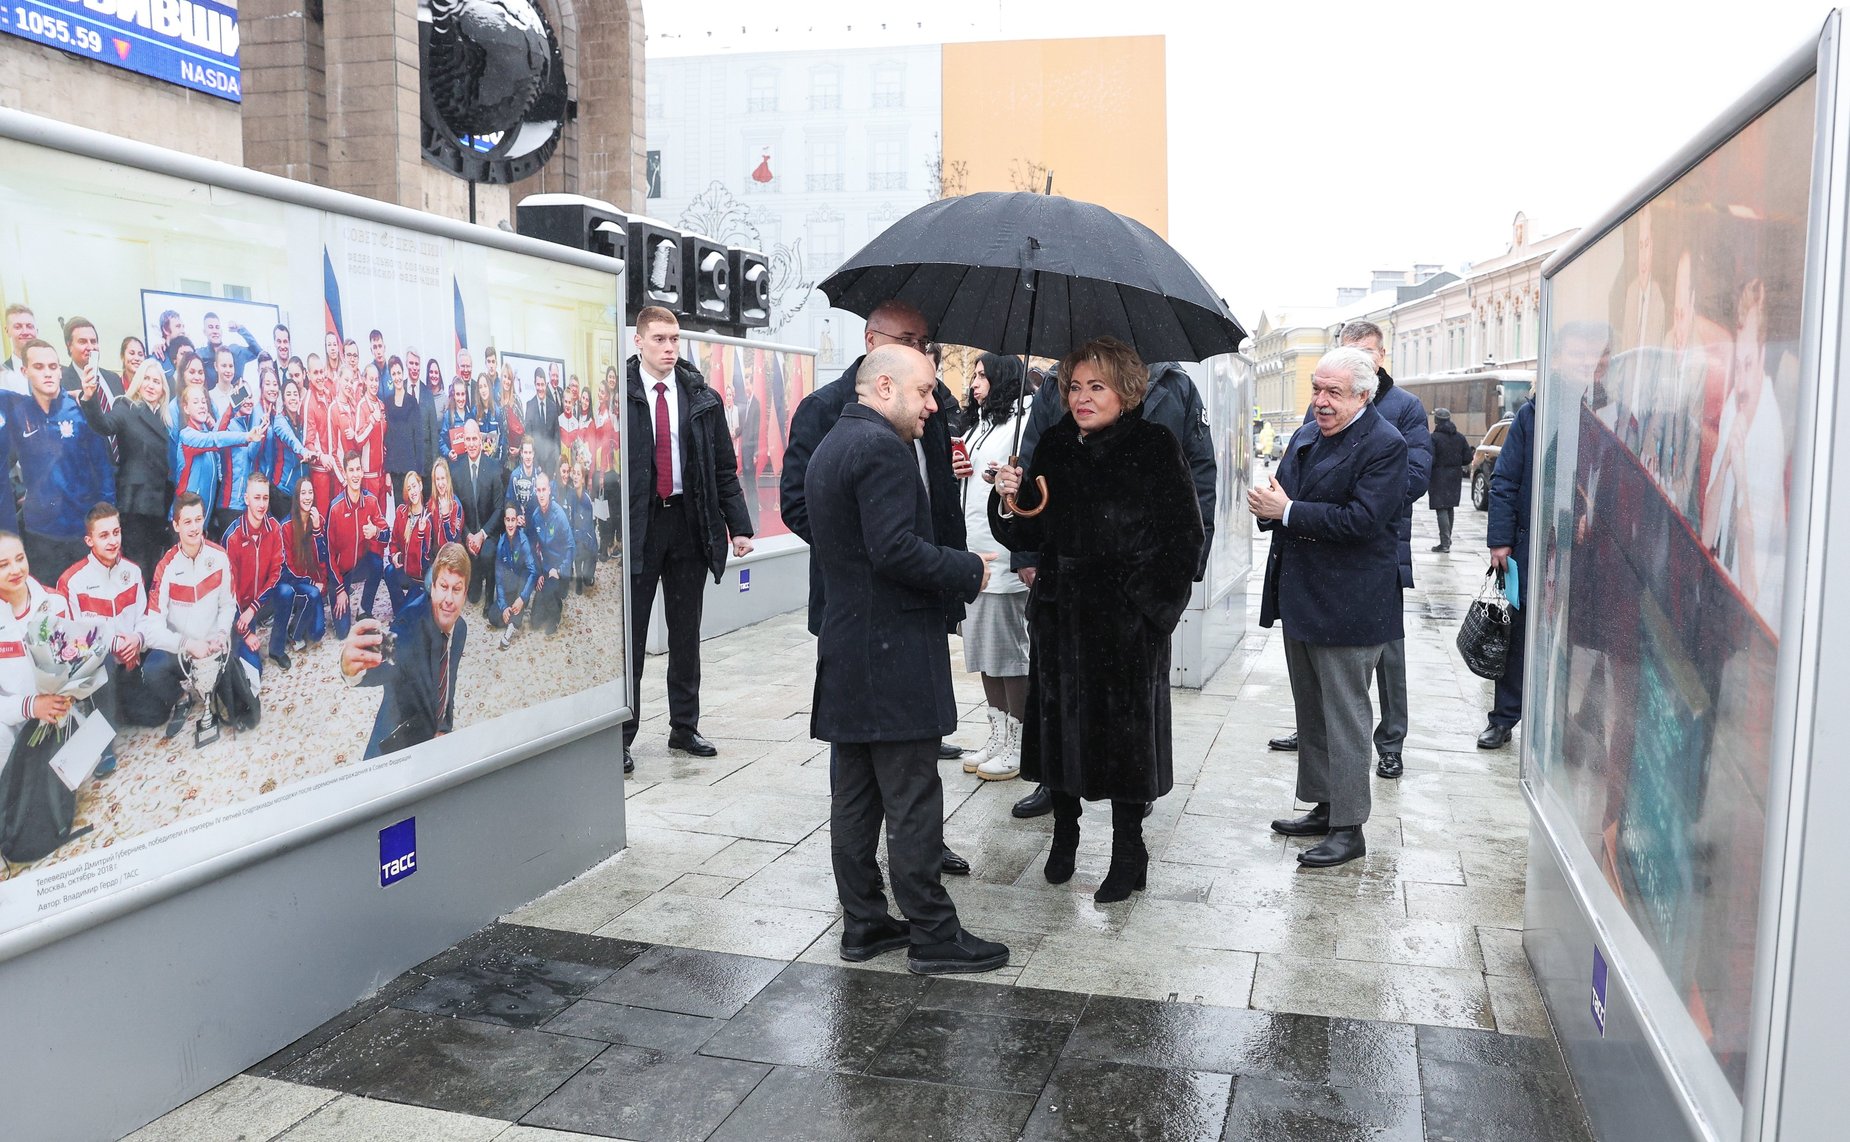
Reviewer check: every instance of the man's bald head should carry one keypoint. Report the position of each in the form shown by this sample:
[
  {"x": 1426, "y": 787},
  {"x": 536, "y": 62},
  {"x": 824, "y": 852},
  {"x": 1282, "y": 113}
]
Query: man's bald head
[
  {"x": 895, "y": 322},
  {"x": 899, "y": 383}
]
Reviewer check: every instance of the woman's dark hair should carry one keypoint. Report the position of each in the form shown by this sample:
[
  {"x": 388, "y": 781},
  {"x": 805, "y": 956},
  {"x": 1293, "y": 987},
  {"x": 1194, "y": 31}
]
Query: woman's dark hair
[{"x": 1004, "y": 375}]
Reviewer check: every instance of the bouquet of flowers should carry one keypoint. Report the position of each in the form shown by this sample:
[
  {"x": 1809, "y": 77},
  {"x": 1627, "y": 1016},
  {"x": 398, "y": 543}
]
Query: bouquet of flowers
[{"x": 68, "y": 657}]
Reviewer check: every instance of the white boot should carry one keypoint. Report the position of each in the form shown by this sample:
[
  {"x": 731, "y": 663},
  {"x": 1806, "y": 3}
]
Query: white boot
[
  {"x": 1005, "y": 764},
  {"x": 998, "y": 741}
]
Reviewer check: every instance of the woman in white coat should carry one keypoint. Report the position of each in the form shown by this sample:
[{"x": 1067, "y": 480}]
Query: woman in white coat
[{"x": 995, "y": 631}]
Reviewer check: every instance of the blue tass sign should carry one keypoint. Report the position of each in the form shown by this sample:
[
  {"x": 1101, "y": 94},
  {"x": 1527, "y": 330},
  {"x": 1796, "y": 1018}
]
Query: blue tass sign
[
  {"x": 192, "y": 43},
  {"x": 398, "y": 851}
]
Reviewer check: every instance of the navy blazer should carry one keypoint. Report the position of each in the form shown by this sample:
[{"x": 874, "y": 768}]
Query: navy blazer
[
  {"x": 883, "y": 663},
  {"x": 409, "y": 711},
  {"x": 1333, "y": 573}
]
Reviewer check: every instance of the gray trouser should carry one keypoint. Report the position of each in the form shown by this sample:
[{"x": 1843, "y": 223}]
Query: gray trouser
[
  {"x": 1391, "y": 686},
  {"x": 898, "y": 781},
  {"x": 1329, "y": 687},
  {"x": 1445, "y": 526}
]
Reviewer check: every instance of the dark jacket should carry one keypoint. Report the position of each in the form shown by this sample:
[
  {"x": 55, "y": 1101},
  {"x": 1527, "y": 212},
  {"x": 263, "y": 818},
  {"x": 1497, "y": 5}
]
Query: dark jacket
[
  {"x": 543, "y": 427},
  {"x": 1332, "y": 575},
  {"x": 1451, "y": 452},
  {"x": 480, "y": 498},
  {"x": 409, "y": 711},
  {"x": 1404, "y": 411},
  {"x": 709, "y": 466},
  {"x": 1509, "y": 492},
  {"x": 407, "y": 440},
  {"x": 144, "y": 483},
  {"x": 883, "y": 665},
  {"x": 74, "y": 382},
  {"x": 814, "y": 417},
  {"x": 1173, "y": 402},
  {"x": 1118, "y": 545}
]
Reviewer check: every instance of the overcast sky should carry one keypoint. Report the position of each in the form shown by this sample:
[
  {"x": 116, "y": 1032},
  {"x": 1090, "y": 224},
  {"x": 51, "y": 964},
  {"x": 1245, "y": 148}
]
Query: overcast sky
[{"x": 1312, "y": 142}]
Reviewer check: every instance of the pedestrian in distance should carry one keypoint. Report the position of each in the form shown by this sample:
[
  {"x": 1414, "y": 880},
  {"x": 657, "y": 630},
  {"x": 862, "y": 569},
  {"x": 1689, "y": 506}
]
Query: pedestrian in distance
[
  {"x": 1332, "y": 578},
  {"x": 1119, "y": 542},
  {"x": 1507, "y": 536},
  {"x": 1451, "y": 452},
  {"x": 883, "y": 693}
]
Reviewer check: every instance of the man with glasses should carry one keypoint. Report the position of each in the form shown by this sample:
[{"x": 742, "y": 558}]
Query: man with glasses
[{"x": 893, "y": 322}]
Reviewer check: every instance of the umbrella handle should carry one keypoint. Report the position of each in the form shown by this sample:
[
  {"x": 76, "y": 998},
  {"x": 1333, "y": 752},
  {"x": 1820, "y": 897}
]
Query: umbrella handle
[{"x": 1009, "y": 501}]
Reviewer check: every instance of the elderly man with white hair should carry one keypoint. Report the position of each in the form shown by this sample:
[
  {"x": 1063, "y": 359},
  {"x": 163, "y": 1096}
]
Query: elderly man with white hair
[{"x": 1333, "y": 579}]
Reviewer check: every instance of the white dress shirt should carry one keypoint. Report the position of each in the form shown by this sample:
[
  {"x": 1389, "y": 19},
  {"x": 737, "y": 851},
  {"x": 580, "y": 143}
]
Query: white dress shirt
[{"x": 673, "y": 401}]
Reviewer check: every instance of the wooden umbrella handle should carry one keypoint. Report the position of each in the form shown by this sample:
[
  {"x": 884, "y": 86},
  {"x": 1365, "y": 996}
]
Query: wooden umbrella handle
[{"x": 1009, "y": 501}]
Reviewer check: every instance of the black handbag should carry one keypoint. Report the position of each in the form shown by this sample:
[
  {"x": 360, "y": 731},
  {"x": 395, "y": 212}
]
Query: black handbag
[{"x": 1484, "y": 639}]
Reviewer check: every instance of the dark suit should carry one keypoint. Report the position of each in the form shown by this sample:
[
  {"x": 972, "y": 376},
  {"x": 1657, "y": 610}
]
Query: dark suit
[
  {"x": 73, "y": 381},
  {"x": 541, "y": 420},
  {"x": 415, "y": 708},
  {"x": 480, "y": 497},
  {"x": 678, "y": 542},
  {"x": 144, "y": 481},
  {"x": 883, "y": 670},
  {"x": 1333, "y": 578},
  {"x": 815, "y": 415}
]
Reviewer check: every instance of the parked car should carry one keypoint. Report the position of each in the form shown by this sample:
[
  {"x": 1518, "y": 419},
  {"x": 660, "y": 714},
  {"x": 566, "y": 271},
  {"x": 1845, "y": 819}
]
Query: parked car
[{"x": 1484, "y": 461}]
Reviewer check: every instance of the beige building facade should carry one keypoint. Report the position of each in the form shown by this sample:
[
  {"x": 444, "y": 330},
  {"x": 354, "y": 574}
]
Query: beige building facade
[{"x": 1285, "y": 346}]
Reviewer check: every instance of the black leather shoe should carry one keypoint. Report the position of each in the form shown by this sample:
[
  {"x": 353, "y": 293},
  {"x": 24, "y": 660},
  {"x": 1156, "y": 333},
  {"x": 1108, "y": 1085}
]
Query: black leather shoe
[
  {"x": 949, "y": 752},
  {"x": 1389, "y": 765},
  {"x": 964, "y": 953},
  {"x": 1149, "y": 807},
  {"x": 859, "y": 945},
  {"x": 1288, "y": 744},
  {"x": 954, "y": 864},
  {"x": 690, "y": 741},
  {"x": 1036, "y": 804},
  {"x": 629, "y": 763},
  {"x": 1442, "y": 547},
  {"x": 1341, "y": 846},
  {"x": 1494, "y": 737},
  {"x": 1312, "y": 824}
]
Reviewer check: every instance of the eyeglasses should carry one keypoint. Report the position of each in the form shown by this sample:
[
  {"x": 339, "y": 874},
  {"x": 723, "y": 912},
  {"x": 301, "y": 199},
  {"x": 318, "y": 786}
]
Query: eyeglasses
[{"x": 915, "y": 340}]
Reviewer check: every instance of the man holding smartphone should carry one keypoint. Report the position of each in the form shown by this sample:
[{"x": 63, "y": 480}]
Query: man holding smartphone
[{"x": 416, "y": 660}]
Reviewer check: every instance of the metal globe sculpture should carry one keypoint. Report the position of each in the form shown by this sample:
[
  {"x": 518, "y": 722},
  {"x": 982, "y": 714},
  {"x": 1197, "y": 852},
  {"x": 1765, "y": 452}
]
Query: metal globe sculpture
[{"x": 495, "y": 98}]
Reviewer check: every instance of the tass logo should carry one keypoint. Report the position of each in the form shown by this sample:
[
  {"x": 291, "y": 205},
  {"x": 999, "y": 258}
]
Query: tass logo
[{"x": 398, "y": 851}]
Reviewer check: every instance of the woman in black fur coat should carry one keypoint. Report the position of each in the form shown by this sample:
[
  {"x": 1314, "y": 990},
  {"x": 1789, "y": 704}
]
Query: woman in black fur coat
[{"x": 1119, "y": 543}]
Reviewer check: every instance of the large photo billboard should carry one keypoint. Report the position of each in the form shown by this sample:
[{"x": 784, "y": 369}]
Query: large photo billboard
[
  {"x": 1669, "y": 406},
  {"x": 277, "y": 520},
  {"x": 760, "y": 387}
]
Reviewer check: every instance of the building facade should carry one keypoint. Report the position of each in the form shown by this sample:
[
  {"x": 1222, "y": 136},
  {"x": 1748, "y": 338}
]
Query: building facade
[{"x": 1285, "y": 346}]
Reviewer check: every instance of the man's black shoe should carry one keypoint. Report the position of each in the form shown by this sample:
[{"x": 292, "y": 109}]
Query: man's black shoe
[
  {"x": 1036, "y": 804},
  {"x": 1312, "y": 824},
  {"x": 954, "y": 864},
  {"x": 1389, "y": 765},
  {"x": 1494, "y": 737},
  {"x": 1442, "y": 547},
  {"x": 859, "y": 945},
  {"x": 281, "y": 660},
  {"x": 629, "y": 763},
  {"x": 1287, "y": 744},
  {"x": 690, "y": 741},
  {"x": 949, "y": 752},
  {"x": 1341, "y": 846},
  {"x": 1149, "y": 807},
  {"x": 964, "y": 953},
  {"x": 177, "y": 721}
]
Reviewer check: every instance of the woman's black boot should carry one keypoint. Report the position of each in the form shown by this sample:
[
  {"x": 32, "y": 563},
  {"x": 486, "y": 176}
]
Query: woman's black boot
[
  {"x": 1065, "y": 851},
  {"x": 1130, "y": 861}
]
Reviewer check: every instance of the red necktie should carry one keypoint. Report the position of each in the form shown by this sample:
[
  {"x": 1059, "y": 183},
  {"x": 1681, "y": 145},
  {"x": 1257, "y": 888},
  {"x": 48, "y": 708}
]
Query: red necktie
[{"x": 664, "y": 444}]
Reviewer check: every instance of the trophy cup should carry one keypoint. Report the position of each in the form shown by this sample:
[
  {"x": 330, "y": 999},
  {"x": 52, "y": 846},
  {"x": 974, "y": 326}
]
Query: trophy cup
[{"x": 202, "y": 678}]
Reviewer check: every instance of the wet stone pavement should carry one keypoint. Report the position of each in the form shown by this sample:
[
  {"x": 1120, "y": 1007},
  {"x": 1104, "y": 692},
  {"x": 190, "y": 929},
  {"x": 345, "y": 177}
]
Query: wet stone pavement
[{"x": 690, "y": 988}]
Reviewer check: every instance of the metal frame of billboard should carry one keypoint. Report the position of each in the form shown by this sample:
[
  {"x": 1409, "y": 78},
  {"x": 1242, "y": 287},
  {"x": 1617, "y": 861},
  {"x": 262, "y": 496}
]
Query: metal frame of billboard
[
  {"x": 1709, "y": 1106},
  {"x": 570, "y": 709}
]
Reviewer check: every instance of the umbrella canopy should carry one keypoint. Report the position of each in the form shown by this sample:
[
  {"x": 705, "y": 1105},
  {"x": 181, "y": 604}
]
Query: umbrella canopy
[{"x": 981, "y": 265}]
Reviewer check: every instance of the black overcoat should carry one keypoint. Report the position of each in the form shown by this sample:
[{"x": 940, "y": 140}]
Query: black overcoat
[
  {"x": 816, "y": 414},
  {"x": 1333, "y": 573},
  {"x": 883, "y": 663},
  {"x": 1119, "y": 544},
  {"x": 1450, "y": 453},
  {"x": 709, "y": 466}
]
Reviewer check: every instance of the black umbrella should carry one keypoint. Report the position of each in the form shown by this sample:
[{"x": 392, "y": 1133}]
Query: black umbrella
[{"x": 1038, "y": 274}]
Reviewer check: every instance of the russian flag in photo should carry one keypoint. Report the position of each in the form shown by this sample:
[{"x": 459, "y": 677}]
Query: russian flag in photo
[
  {"x": 462, "y": 325},
  {"x": 331, "y": 294}
]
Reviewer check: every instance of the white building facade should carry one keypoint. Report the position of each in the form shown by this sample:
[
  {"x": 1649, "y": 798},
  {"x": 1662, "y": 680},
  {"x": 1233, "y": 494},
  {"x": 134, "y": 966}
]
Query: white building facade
[{"x": 805, "y": 156}]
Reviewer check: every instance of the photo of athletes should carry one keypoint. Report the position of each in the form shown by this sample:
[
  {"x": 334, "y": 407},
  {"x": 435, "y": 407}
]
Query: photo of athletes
[{"x": 287, "y": 492}]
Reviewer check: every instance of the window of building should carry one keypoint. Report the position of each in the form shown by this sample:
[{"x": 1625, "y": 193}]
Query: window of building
[
  {"x": 889, "y": 86},
  {"x": 824, "y": 170},
  {"x": 824, "y": 89},
  {"x": 761, "y": 93},
  {"x": 886, "y": 168},
  {"x": 653, "y": 172},
  {"x": 238, "y": 292},
  {"x": 825, "y": 243},
  {"x": 1516, "y": 354}
]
